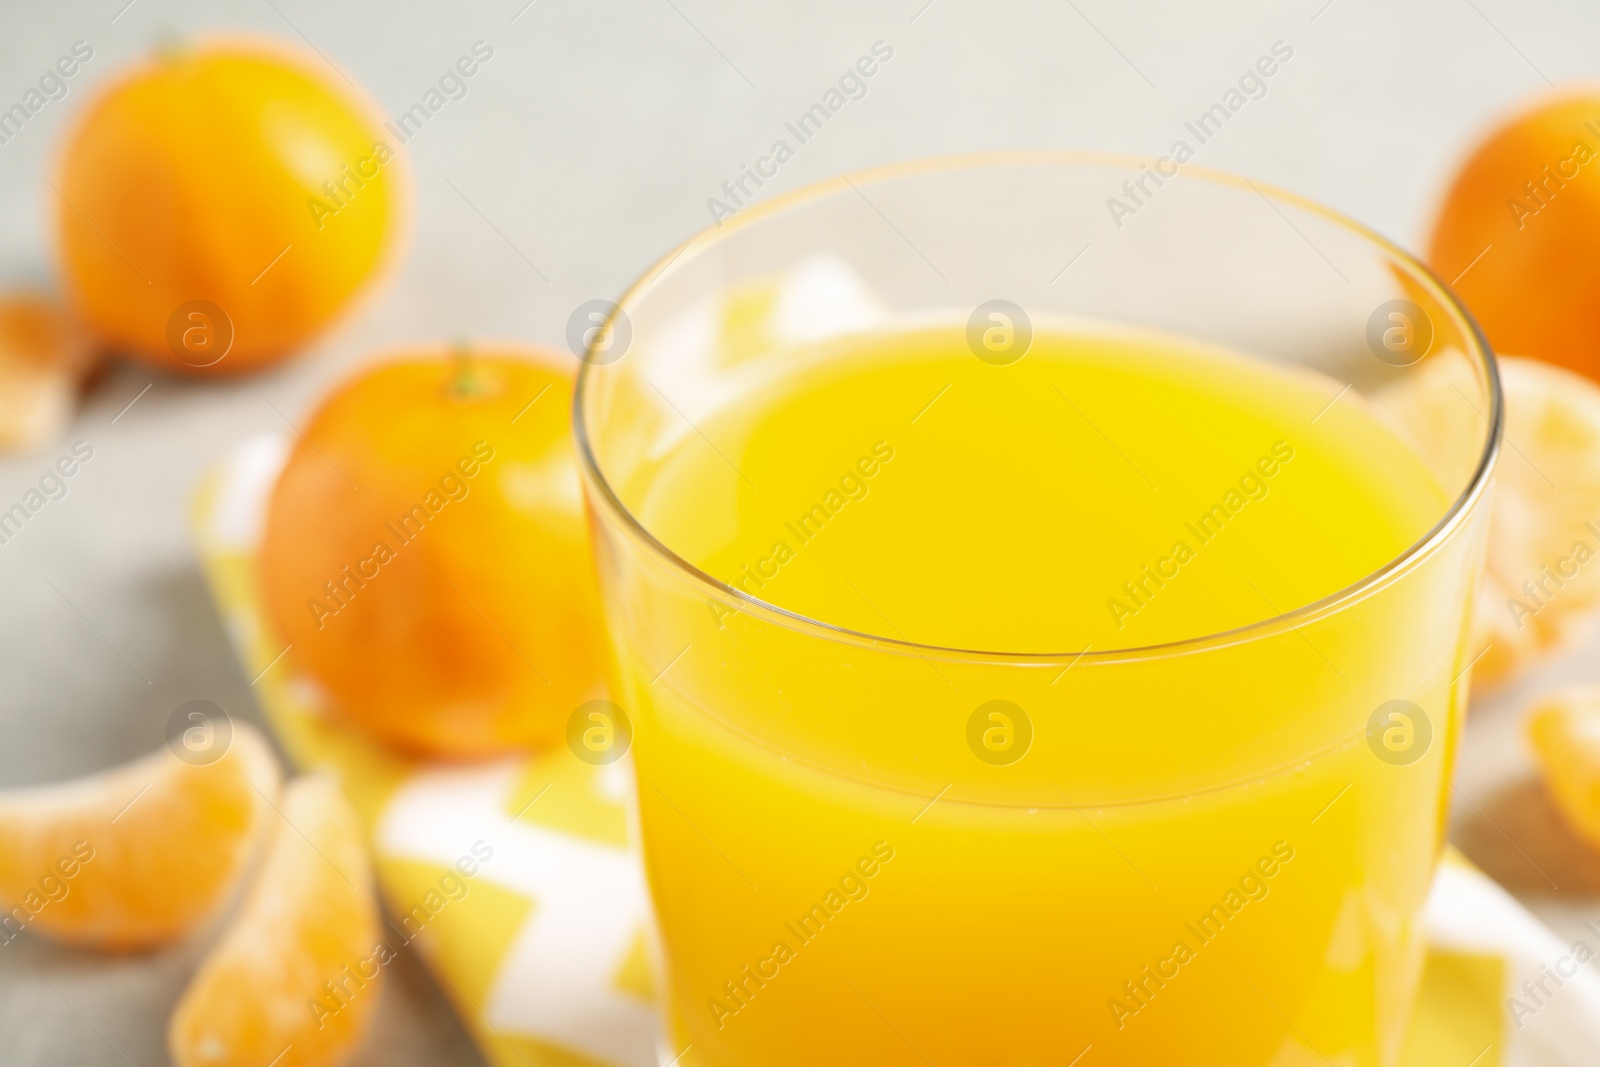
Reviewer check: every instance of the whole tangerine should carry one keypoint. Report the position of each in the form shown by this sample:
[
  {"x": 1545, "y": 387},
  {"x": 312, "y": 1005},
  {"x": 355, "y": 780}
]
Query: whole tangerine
[
  {"x": 222, "y": 204},
  {"x": 425, "y": 554},
  {"x": 1519, "y": 234}
]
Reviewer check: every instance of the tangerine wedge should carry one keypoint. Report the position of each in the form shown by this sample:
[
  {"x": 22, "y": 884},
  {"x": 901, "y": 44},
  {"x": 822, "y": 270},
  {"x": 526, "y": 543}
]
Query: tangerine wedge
[
  {"x": 43, "y": 356},
  {"x": 1540, "y": 589},
  {"x": 137, "y": 855},
  {"x": 1565, "y": 730},
  {"x": 294, "y": 981}
]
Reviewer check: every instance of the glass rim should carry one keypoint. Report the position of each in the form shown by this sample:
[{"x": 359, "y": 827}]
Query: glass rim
[{"x": 1479, "y": 352}]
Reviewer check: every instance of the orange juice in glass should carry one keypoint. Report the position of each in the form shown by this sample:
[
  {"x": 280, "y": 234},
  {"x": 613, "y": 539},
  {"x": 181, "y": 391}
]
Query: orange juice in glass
[{"x": 1031, "y": 661}]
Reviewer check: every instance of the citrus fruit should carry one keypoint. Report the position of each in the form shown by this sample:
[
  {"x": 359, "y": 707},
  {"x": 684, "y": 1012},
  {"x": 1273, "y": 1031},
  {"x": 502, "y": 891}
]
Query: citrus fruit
[
  {"x": 1518, "y": 235},
  {"x": 1541, "y": 582},
  {"x": 42, "y": 358},
  {"x": 295, "y": 979},
  {"x": 1565, "y": 730},
  {"x": 425, "y": 555},
  {"x": 219, "y": 206},
  {"x": 137, "y": 855}
]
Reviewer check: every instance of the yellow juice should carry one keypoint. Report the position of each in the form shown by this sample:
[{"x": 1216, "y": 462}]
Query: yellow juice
[{"x": 882, "y": 850}]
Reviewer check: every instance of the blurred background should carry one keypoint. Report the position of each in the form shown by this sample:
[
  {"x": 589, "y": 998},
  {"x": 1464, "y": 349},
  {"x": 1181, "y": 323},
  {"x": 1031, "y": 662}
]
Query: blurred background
[{"x": 585, "y": 149}]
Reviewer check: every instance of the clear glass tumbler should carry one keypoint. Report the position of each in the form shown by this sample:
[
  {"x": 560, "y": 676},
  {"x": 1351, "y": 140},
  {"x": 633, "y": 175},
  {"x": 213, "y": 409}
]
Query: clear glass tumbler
[{"x": 1210, "y": 851}]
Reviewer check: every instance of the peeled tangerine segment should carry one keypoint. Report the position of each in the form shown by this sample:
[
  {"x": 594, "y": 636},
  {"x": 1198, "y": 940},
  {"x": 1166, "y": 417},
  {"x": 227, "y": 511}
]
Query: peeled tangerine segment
[
  {"x": 1541, "y": 582},
  {"x": 1565, "y": 730},
  {"x": 294, "y": 981},
  {"x": 137, "y": 855},
  {"x": 42, "y": 358}
]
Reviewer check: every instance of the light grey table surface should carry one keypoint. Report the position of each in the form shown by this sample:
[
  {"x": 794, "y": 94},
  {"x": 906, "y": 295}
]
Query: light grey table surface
[{"x": 586, "y": 148}]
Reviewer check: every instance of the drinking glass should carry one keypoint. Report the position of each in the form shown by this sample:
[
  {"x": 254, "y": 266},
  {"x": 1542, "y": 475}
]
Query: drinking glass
[{"x": 865, "y": 850}]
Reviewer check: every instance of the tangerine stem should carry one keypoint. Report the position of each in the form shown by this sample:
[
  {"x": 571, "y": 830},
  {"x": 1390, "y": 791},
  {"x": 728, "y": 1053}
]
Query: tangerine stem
[{"x": 466, "y": 379}]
